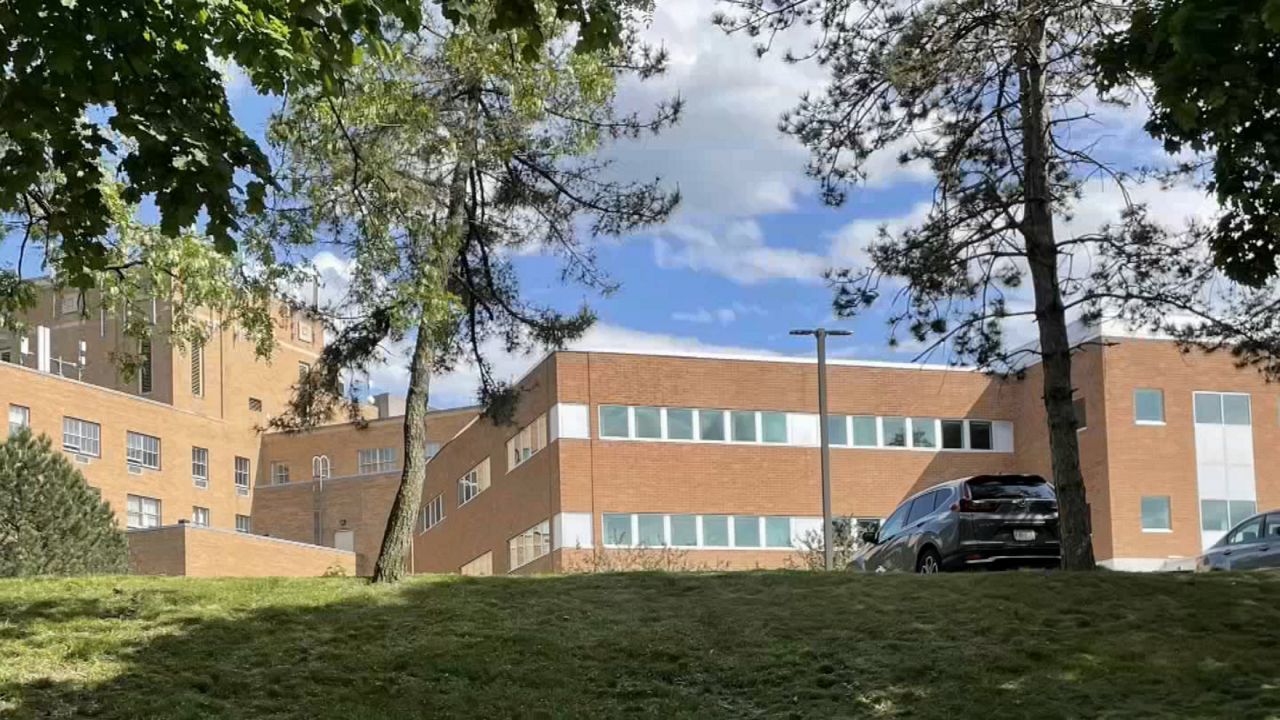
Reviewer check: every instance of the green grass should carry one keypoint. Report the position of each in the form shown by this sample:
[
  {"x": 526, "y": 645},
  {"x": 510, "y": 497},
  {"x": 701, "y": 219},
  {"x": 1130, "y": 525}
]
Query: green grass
[{"x": 769, "y": 644}]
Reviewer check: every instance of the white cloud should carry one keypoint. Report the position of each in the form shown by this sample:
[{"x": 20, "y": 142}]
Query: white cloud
[
  {"x": 722, "y": 315},
  {"x": 738, "y": 252}
]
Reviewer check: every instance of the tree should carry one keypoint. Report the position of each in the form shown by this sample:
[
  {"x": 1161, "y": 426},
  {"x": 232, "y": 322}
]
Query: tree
[
  {"x": 51, "y": 521},
  {"x": 434, "y": 166},
  {"x": 1212, "y": 64},
  {"x": 997, "y": 99}
]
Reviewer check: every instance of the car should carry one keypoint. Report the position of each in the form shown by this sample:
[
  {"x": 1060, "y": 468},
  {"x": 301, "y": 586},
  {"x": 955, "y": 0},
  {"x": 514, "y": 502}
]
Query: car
[
  {"x": 1254, "y": 544},
  {"x": 984, "y": 521}
]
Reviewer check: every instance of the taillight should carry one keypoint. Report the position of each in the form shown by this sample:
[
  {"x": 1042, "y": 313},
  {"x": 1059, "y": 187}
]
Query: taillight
[{"x": 966, "y": 505}]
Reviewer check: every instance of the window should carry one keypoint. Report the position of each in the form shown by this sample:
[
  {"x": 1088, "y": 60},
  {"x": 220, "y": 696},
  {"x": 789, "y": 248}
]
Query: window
[
  {"x": 70, "y": 303},
  {"x": 433, "y": 513},
  {"x": 144, "y": 366},
  {"x": 711, "y": 425},
  {"x": 617, "y": 529},
  {"x": 980, "y": 435},
  {"x": 255, "y": 405},
  {"x": 715, "y": 531},
  {"x": 1247, "y": 533},
  {"x": 894, "y": 524},
  {"x": 479, "y": 567},
  {"x": 473, "y": 483},
  {"x": 679, "y": 424},
  {"x": 320, "y": 467},
  {"x": 746, "y": 532},
  {"x": 684, "y": 530},
  {"x": 433, "y": 449},
  {"x": 279, "y": 473},
  {"x": 1208, "y": 408},
  {"x": 1235, "y": 410},
  {"x": 773, "y": 426},
  {"x": 1081, "y": 413},
  {"x": 197, "y": 370},
  {"x": 648, "y": 423},
  {"x": 952, "y": 434},
  {"x": 304, "y": 330},
  {"x": 924, "y": 433},
  {"x": 895, "y": 431},
  {"x": 837, "y": 430},
  {"x": 81, "y": 436},
  {"x": 1155, "y": 513},
  {"x": 200, "y": 467},
  {"x": 375, "y": 460},
  {"x": 864, "y": 432},
  {"x": 200, "y": 516},
  {"x": 143, "y": 450},
  {"x": 143, "y": 512},
  {"x": 243, "y": 524},
  {"x": 654, "y": 530},
  {"x": 303, "y": 371},
  {"x": 614, "y": 422},
  {"x": 743, "y": 425},
  {"x": 530, "y": 545},
  {"x": 1148, "y": 407},
  {"x": 921, "y": 508},
  {"x": 650, "y": 531},
  {"x": 242, "y": 476},
  {"x": 19, "y": 417},
  {"x": 531, "y": 439},
  {"x": 777, "y": 532}
]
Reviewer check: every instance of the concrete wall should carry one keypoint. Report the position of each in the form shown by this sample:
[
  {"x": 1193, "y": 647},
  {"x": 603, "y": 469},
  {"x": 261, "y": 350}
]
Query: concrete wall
[{"x": 206, "y": 552}]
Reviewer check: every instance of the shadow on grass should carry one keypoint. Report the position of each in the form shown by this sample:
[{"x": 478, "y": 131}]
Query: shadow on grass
[{"x": 647, "y": 645}]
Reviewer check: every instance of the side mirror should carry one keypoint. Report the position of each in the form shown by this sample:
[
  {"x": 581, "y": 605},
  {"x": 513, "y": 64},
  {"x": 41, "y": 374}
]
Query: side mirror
[{"x": 870, "y": 537}]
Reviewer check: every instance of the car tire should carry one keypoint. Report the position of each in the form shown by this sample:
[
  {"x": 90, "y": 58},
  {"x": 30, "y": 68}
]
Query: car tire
[{"x": 929, "y": 562}]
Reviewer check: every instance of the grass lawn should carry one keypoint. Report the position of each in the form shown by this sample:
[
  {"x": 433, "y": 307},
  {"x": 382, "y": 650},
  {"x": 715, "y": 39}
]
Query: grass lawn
[{"x": 748, "y": 645}]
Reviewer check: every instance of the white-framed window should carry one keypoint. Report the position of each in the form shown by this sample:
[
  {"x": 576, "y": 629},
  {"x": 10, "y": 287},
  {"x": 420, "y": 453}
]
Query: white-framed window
[
  {"x": 304, "y": 369},
  {"x": 70, "y": 302},
  {"x": 473, "y": 483},
  {"x": 320, "y": 467},
  {"x": 200, "y": 467},
  {"x": 199, "y": 516},
  {"x": 375, "y": 460},
  {"x": 279, "y": 473},
  {"x": 304, "y": 330},
  {"x": 19, "y": 417},
  {"x": 197, "y": 369},
  {"x": 433, "y": 513},
  {"x": 244, "y": 524},
  {"x": 255, "y": 404},
  {"x": 524, "y": 444},
  {"x": 1155, "y": 514},
  {"x": 142, "y": 450},
  {"x": 242, "y": 475},
  {"x": 143, "y": 512},
  {"x": 529, "y": 545},
  {"x": 657, "y": 530},
  {"x": 1214, "y": 408},
  {"x": 144, "y": 367},
  {"x": 1148, "y": 406},
  {"x": 81, "y": 436}
]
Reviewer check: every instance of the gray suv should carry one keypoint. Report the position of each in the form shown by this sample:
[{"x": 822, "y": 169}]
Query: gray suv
[
  {"x": 985, "y": 521},
  {"x": 1254, "y": 544}
]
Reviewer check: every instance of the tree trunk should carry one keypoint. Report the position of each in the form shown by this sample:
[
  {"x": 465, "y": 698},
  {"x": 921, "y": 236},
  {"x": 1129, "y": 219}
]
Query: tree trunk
[{"x": 1055, "y": 346}]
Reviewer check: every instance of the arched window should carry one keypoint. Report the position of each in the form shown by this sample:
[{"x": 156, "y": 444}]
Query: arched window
[{"x": 320, "y": 467}]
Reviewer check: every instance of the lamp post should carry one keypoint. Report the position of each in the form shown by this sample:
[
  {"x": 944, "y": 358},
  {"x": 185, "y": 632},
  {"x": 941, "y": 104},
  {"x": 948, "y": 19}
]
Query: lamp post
[{"x": 828, "y": 551}]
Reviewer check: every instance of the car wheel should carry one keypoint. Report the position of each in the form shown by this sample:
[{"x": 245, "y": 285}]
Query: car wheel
[{"x": 929, "y": 563}]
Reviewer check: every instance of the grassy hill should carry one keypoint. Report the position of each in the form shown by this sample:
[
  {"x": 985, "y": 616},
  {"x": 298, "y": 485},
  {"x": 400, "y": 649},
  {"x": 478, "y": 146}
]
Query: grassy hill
[{"x": 745, "y": 645}]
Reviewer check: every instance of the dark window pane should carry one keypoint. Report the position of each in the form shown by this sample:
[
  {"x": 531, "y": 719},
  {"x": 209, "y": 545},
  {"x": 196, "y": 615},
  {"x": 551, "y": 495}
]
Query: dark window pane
[
  {"x": 1002, "y": 488},
  {"x": 744, "y": 426},
  {"x": 979, "y": 435},
  {"x": 710, "y": 425},
  {"x": 895, "y": 432},
  {"x": 920, "y": 507},
  {"x": 924, "y": 433},
  {"x": 1081, "y": 413},
  {"x": 953, "y": 434},
  {"x": 837, "y": 432}
]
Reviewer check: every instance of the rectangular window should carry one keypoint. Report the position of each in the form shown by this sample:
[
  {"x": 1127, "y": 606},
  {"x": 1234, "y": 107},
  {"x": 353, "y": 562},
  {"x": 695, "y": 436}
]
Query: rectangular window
[
  {"x": 279, "y": 473},
  {"x": 773, "y": 426},
  {"x": 243, "y": 524},
  {"x": 980, "y": 435},
  {"x": 711, "y": 425},
  {"x": 648, "y": 423},
  {"x": 70, "y": 303},
  {"x": 1235, "y": 410},
  {"x": 715, "y": 531},
  {"x": 743, "y": 425},
  {"x": 144, "y": 366},
  {"x": 684, "y": 530},
  {"x": 864, "y": 431},
  {"x": 375, "y": 460},
  {"x": 746, "y": 532},
  {"x": 837, "y": 430},
  {"x": 777, "y": 532},
  {"x": 1240, "y": 510},
  {"x": 304, "y": 330},
  {"x": 143, "y": 512},
  {"x": 433, "y": 513},
  {"x": 1148, "y": 406},
  {"x": 530, "y": 545},
  {"x": 1214, "y": 515},
  {"x": 617, "y": 529},
  {"x": 614, "y": 422},
  {"x": 473, "y": 483},
  {"x": 1155, "y": 513},
  {"x": 255, "y": 404},
  {"x": 242, "y": 476},
  {"x": 679, "y": 424},
  {"x": 528, "y": 441},
  {"x": 303, "y": 371},
  {"x": 200, "y": 467},
  {"x": 81, "y": 436},
  {"x": 650, "y": 531},
  {"x": 895, "y": 431},
  {"x": 1208, "y": 408},
  {"x": 432, "y": 449},
  {"x": 143, "y": 450},
  {"x": 19, "y": 418},
  {"x": 1081, "y": 413},
  {"x": 197, "y": 369},
  {"x": 924, "y": 433},
  {"x": 952, "y": 434},
  {"x": 200, "y": 516}
]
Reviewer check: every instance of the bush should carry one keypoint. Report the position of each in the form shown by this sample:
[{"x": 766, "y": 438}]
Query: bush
[
  {"x": 51, "y": 521},
  {"x": 846, "y": 542}
]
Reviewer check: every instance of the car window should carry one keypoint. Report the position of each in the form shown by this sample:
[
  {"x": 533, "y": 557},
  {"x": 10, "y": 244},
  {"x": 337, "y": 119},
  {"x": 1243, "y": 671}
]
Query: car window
[
  {"x": 894, "y": 523},
  {"x": 1249, "y": 532},
  {"x": 1273, "y": 526},
  {"x": 921, "y": 507},
  {"x": 996, "y": 488},
  {"x": 942, "y": 498}
]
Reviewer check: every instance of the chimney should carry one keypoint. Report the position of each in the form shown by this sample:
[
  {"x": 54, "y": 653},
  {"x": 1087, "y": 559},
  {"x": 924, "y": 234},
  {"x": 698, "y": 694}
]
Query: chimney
[{"x": 388, "y": 405}]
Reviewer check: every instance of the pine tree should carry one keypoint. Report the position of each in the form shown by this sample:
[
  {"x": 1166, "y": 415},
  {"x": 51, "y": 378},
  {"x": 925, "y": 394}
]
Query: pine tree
[{"x": 51, "y": 521}]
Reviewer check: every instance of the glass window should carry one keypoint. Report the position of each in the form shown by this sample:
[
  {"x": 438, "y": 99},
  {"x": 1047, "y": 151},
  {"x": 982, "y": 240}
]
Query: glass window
[
  {"x": 996, "y": 488},
  {"x": 943, "y": 498},
  {"x": 81, "y": 436},
  {"x": 617, "y": 529},
  {"x": 650, "y": 531},
  {"x": 1214, "y": 515},
  {"x": 715, "y": 531},
  {"x": 375, "y": 460},
  {"x": 1241, "y": 509},
  {"x": 746, "y": 531},
  {"x": 200, "y": 466},
  {"x": 613, "y": 422},
  {"x": 774, "y": 427},
  {"x": 243, "y": 524},
  {"x": 924, "y": 433},
  {"x": 743, "y": 425},
  {"x": 1246, "y": 533},
  {"x": 864, "y": 432},
  {"x": 19, "y": 417},
  {"x": 1273, "y": 526},
  {"x": 142, "y": 512},
  {"x": 1208, "y": 408},
  {"x": 920, "y": 507},
  {"x": 1081, "y": 412},
  {"x": 1148, "y": 406},
  {"x": 953, "y": 434},
  {"x": 433, "y": 513},
  {"x": 200, "y": 516},
  {"x": 1155, "y": 513},
  {"x": 143, "y": 450},
  {"x": 777, "y": 532},
  {"x": 679, "y": 424},
  {"x": 279, "y": 474},
  {"x": 895, "y": 431},
  {"x": 894, "y": 524},
  {"x": 837, "y": 430},
  {"x": 684, "y": 530},
  {"x": 979, "y": 435},
  {"x": 648, "y": 423},
  {"x": 242, "y": 476},
  {"x": 1235, "y": 409},
  {"x": 710, "y": 425}
]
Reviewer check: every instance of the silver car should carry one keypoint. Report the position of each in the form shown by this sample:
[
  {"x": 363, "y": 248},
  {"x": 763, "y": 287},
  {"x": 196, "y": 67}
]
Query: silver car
[{"x": 1254, "y": 544}]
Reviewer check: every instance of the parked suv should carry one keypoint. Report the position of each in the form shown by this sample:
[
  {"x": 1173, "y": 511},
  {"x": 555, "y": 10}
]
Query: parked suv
[
  {"x": 1254, "y": 544},
  {"x": 983, "y": 521}
]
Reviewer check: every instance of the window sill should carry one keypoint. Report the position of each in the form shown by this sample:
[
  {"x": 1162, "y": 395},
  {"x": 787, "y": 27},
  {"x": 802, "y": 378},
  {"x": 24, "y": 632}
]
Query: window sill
[
  {"x": 1150, "y": 423},
  {"x": 1158, "y": 531}
]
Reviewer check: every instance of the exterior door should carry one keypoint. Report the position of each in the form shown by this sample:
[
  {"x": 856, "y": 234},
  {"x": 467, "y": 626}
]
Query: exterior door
[{"x": 344, "y": 540}]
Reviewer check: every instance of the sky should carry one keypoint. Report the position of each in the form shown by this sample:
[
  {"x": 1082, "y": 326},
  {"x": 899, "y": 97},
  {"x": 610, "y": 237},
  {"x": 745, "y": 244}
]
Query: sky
[{"x": 741, "y": 261}]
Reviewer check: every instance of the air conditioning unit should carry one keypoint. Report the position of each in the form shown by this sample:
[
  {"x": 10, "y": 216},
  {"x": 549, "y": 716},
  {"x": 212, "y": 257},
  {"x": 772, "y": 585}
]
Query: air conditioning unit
[
  {"x": 201, "y": 483},
  {"x": 135, "y": 469},
  {"x": 82, "y": 459}
]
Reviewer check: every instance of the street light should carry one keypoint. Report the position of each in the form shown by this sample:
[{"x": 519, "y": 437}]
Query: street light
[{"x": 828, "y": 552}]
